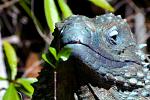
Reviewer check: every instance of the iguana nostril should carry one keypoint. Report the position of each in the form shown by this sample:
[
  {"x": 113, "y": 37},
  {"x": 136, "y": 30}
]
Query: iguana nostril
[{"x": 120, "y": 52}]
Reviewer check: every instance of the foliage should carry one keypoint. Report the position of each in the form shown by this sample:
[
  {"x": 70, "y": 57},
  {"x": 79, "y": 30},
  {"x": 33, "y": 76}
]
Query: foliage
[
  {"x": 11, "y": 93},
  {"x": 66, "y": 11},
  {"x": 52, "y": 14},
  {"x": 12, "y": 58},
  {"x": 15, "y": 85},
  {"x": 23, "y": 85},
  {"x": 62, "y": 55},
  {"x": 103, "y": 4}
]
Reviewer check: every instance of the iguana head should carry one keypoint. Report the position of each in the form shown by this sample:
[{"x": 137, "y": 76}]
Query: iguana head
[
  {"x": 106, "y": 45},
  {"x": 108, "y": 36}
]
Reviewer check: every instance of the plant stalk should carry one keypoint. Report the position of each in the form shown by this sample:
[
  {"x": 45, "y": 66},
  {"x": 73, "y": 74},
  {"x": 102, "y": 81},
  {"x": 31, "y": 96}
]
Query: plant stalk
[{"x": 55, "y": 73}]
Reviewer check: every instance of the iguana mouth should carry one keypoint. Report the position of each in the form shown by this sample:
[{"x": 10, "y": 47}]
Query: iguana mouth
[{"x": 125, "y": 62}]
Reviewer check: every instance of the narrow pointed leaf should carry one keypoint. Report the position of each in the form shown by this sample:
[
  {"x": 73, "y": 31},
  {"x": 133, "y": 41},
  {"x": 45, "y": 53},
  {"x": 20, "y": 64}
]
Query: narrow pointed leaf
[
  {"x": 11, "y": 93},
  {"x": 47, "y": 60},
  {"x": 30, "y": 80},
  {"x": 64, "y": 54},
  {"x": 103, "y": 4},
  {"x": 25, "y": 7},
  {"x": 26, "y": 87},
  {"x": 51, "y": 13},
  {"x": 66, "y": 11},
  {"x": 12, "y": 58},
  {"x": 53, "y": 52}
]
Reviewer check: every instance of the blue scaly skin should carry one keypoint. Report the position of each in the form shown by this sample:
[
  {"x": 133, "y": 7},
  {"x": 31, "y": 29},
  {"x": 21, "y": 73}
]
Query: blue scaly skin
[{"x": 106, "y": 46}]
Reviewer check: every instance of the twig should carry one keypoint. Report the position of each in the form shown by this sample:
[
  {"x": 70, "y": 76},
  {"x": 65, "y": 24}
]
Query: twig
[
  {"x": 14, "y": 39},
  {"x": 8, "y": 4},
  {"x": 7, "y": 23},
  {"x": 48, "y": 39},
  {"x": 119, "y": 4},
  {"x": 133, "y": 5},
  {"x": 55, "y": 80},
  {"x": 140, "y": 29}
]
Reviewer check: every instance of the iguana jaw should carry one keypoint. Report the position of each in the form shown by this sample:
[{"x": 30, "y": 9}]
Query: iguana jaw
[
  {"x": 117, "y": 74},
  {"x": 110, "y": 73},
  {"x": 125, "y": 62}
]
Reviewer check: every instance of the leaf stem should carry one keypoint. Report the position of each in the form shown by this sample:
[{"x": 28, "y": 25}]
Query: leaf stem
[{"x": 55, "y": 73}]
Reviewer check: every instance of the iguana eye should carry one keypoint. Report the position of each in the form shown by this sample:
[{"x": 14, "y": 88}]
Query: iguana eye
[{"x": 113, "y": 36}]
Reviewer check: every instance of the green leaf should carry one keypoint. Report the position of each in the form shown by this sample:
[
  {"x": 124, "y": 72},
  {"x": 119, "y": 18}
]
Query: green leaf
[
  {"x": 25, "y": 7},
  {"x": 53, "y": 52},
  {"x": 26, "y": 87},
  {"x": 2, "y": 78},
  {"x": 103, "y": 4},
  {"x": 30, "y": 80},
  {"x": 64, "y": 53},
  {"x": 66, "y": 11},
  {"x": 51, "y": 14},
  {"x": 44, "y": 57},
  {"x": 12, "y": 58},
  {"x": 11, "y": 93}
]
